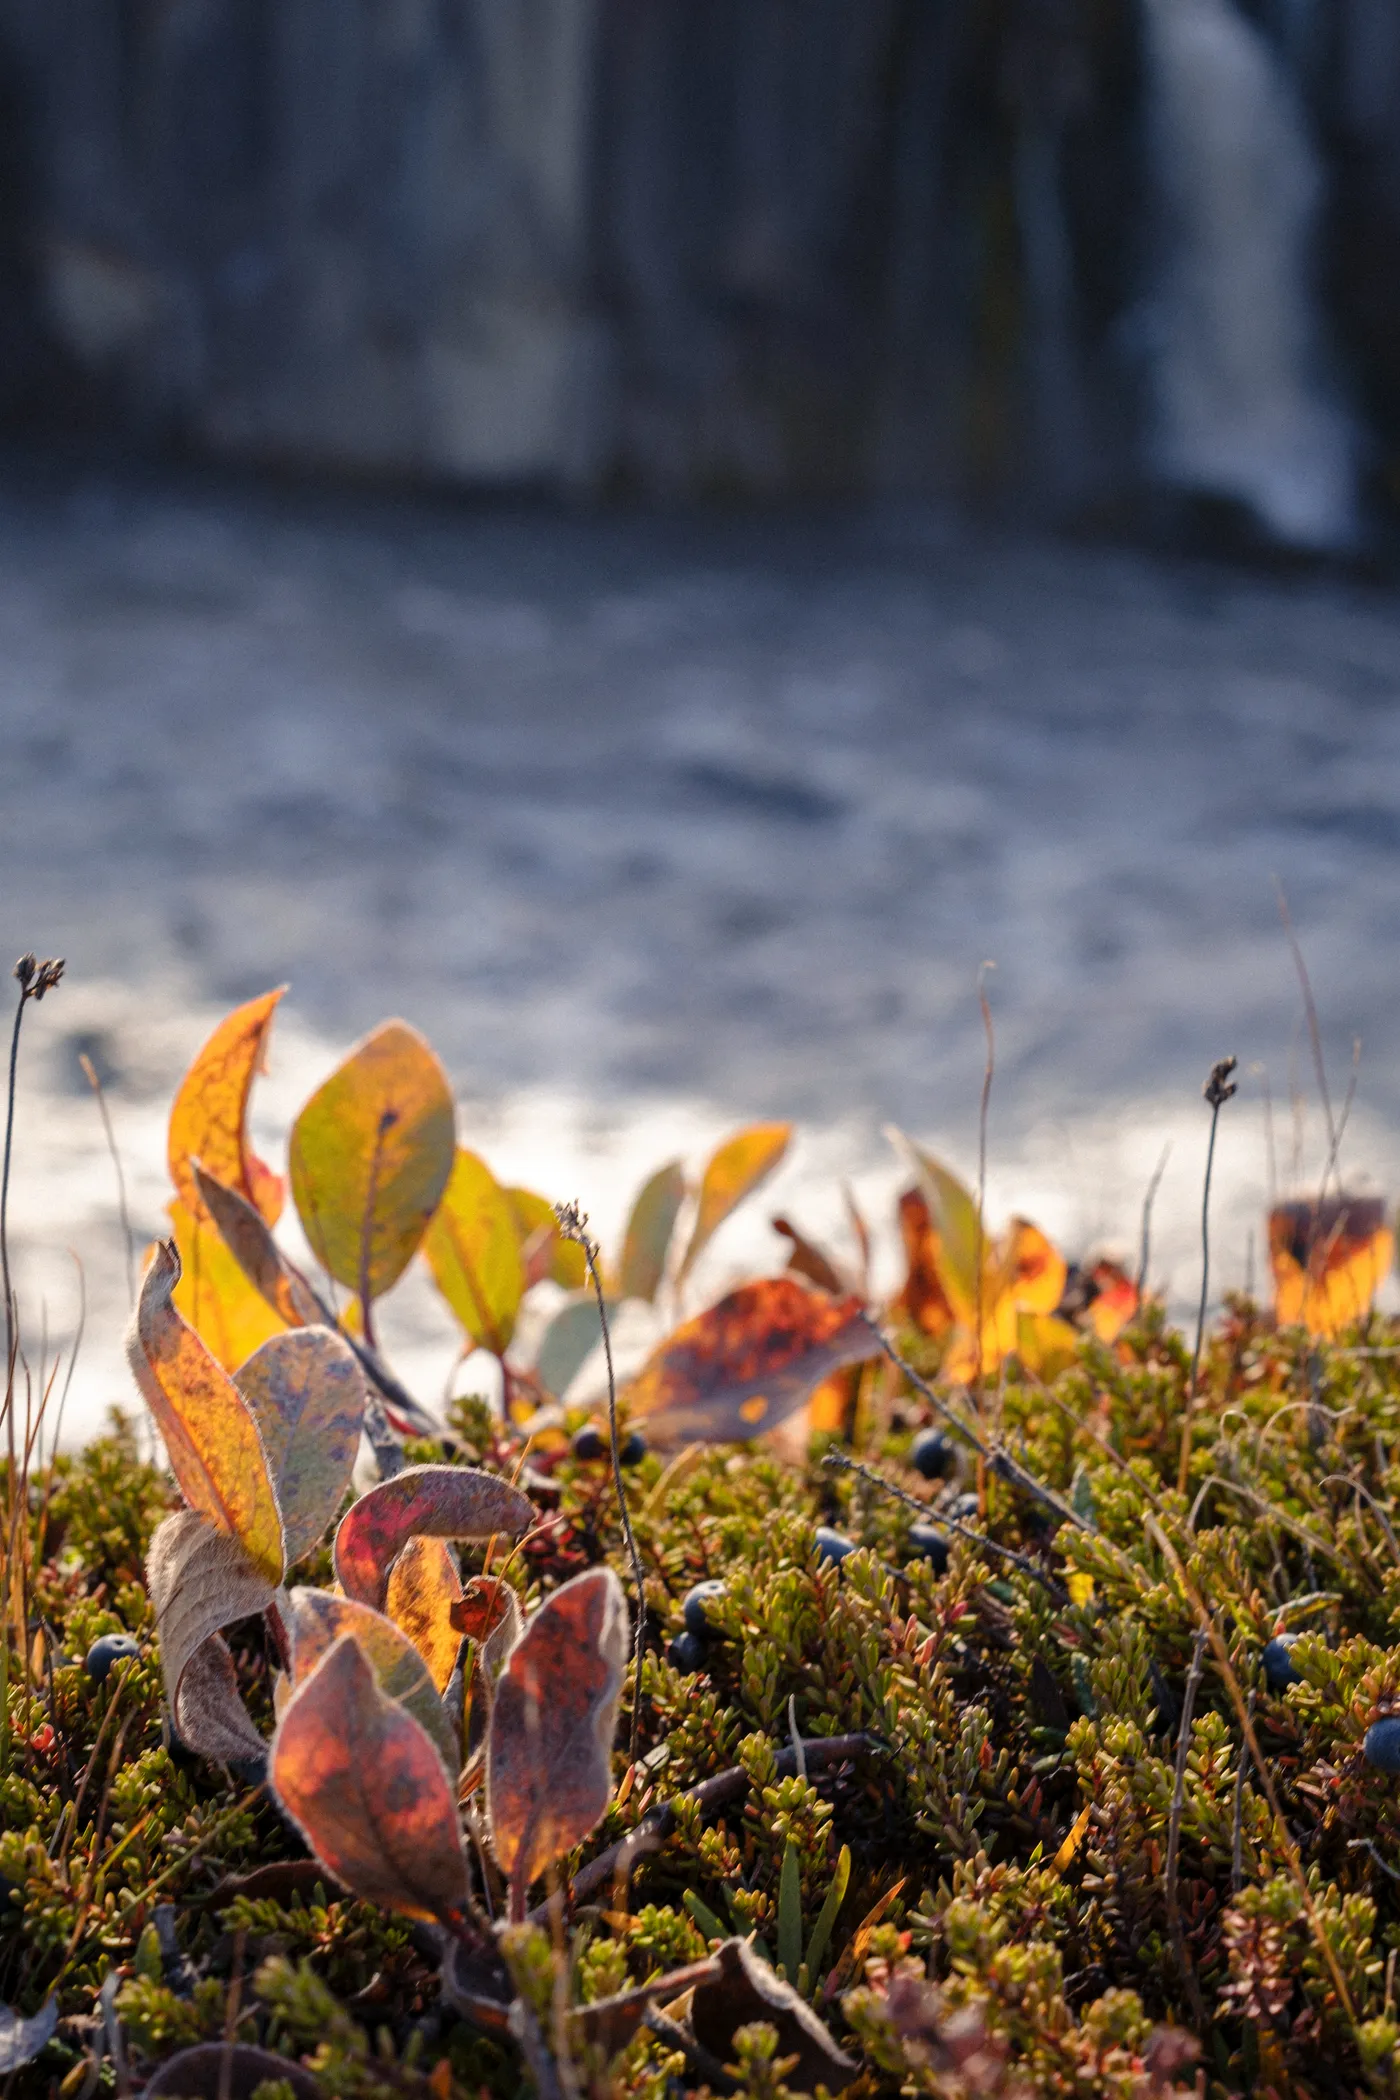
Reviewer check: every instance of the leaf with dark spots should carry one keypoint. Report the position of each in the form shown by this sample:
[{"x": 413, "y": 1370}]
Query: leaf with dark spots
[
  {"x": 371, "y": 1153},
  {"x": 215, "y": 1450},
  {"x": 445, "y": 1502},
  {"x": 208, "y": 1121},
  {"x": 741, "y": 1368},
  {"x": 319, "y": 1620},
  {"x": 747, "y": 1989},
  {"x": 549, "y": 1751},
  {"x": 306, "y": 1392},
  {"x": 364, "y": 1784},
  {"x": 200, "y": 1579}
]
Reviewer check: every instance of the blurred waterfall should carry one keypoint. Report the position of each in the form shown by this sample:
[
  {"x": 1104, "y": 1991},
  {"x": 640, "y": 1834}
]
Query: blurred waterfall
[{"x": 1241, "y": 405}]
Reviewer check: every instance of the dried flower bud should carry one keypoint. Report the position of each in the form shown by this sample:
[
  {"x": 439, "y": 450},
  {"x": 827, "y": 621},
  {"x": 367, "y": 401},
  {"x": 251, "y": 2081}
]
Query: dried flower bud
[
  {"x": 24, "y": 971},
  {"x": 50, "y": 972},
  {"x": 1219, "y": 1087},
  {"x": 573, "y": 1225}
]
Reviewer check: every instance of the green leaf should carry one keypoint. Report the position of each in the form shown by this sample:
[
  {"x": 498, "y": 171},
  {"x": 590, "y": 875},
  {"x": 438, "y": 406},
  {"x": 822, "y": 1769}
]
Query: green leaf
[
  {"x": 835, "y": 1897},
  {"x": 790, "y": 1914},
  {"x": 649, "y": 1230},
  {"x": 704, "y": 1917},
  {"x": 371, "y": 1153}
]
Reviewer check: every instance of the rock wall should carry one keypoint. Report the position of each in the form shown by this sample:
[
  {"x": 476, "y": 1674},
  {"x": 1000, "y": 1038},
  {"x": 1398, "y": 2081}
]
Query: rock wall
[{"x": 768, "y": 246}]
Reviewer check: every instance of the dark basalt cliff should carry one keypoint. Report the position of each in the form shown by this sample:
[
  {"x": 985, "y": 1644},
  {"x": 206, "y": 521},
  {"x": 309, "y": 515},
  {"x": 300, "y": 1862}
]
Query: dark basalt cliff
[{"x": 683, "y": 246}]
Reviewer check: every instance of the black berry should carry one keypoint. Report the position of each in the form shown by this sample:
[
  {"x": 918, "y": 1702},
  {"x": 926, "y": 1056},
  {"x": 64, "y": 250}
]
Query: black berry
[
  {"x": 963, "y": 1509},
  {"x": 1381, "y": 1746},
  {"x": 112, "y": 1647},
  {"x": 932, "y": 1454},
  {"x": 633, "y": 1448},
  {"x": 693, "y": 1605},
  {"x": 1279, "y": 1672},
  {"x": 929, "y": 1543},
  {"x": 687, "y": 1653},
  {"x": 832, "y": 1545},
  {"x": 589, "y": 1443}
]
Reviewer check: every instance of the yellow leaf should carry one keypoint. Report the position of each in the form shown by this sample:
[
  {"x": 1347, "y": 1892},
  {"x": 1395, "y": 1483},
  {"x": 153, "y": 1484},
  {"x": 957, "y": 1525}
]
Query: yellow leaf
[
  {"x": 734, "y": 1172},
  {"x": 216, "y": 1453},
  {"x": 207, "y": 1121},
  {"x": 231, "y": 1318},
  {"x": 423, "y": 1587},
  {"x": 371, "y": 1153},
  {"x": 565, "y": 1264},
  {"x": 1080, "y": 1587},
  {"x": 1075, "y": 1838},
  {"x": 473, "y": 1250},
  {"x": 1328, "y": 1261}
]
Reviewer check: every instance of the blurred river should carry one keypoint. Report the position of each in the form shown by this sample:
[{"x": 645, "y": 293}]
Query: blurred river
[{"x": 653, "y": 826}]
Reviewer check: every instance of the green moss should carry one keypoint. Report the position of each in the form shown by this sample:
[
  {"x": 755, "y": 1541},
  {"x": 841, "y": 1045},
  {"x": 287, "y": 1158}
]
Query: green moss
[{"x": 998, "y": 1713}]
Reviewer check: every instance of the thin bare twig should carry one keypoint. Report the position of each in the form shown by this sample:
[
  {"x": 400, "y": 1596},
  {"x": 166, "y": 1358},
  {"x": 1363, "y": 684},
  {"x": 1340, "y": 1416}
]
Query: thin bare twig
[
  {"x": 574, "y": 1225},
  {"x": 988, "y": 1073},
  {"x": 1310, "y": 1009},
  {"x": 1147, "y": 1202},
  {"x": 90, "y": 1074},
  {"x": 1218, "y": 1089},
  {"x": 1237, "y": 1819},
  {"x": 1172, "y": 1896},
  {"x": 838, "y": 1459},
  {"x": 997, "y": 1459}
]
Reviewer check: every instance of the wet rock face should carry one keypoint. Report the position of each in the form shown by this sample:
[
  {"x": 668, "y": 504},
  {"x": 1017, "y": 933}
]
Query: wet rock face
[{"x": 681, "y": 245}]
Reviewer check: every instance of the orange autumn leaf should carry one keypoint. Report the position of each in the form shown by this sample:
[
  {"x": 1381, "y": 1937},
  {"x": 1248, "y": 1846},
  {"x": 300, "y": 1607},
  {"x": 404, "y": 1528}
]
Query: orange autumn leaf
[
  {"x": 371, "y": 1153},
  {"x": 1029, "y": 1270},
  {"x": 214, "y": 1295},
  {"x": 1023, "y": 1282},
  {"x": 424, "y": 1588},
  {"x": 734, "y": 1171},
  {"x": 445, "y": 1502},
  {"x": 923, "y": 1299},
  {"x": 215, "y": 1450},
  {"x": 1115, "y": 1300},
  {"x": 209, "y": 1117},
  {"x": 739, "y": 1369},
  {"x": 317, "y": 1621},
  {"x": 364, "y": 1784},
  {"x": 549, "y": 1750},
  {"x": 1328, "y": 1261}
]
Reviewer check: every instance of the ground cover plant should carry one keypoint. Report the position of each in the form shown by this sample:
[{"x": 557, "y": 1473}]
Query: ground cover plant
[{"x": 992, "y": 1691}]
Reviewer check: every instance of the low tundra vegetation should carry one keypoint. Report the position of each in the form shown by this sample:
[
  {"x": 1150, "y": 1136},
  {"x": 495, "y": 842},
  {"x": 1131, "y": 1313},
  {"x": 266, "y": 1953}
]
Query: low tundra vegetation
[{"x": 969, "y": 1694}]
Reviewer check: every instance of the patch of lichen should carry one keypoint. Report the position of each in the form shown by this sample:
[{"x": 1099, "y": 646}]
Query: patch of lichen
[{"x": 1001, "y": 1699}]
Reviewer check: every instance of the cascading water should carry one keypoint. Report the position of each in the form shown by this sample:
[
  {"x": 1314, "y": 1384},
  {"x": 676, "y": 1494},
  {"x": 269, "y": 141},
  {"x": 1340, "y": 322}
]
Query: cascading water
[{"x": 1241, "y": 406}]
